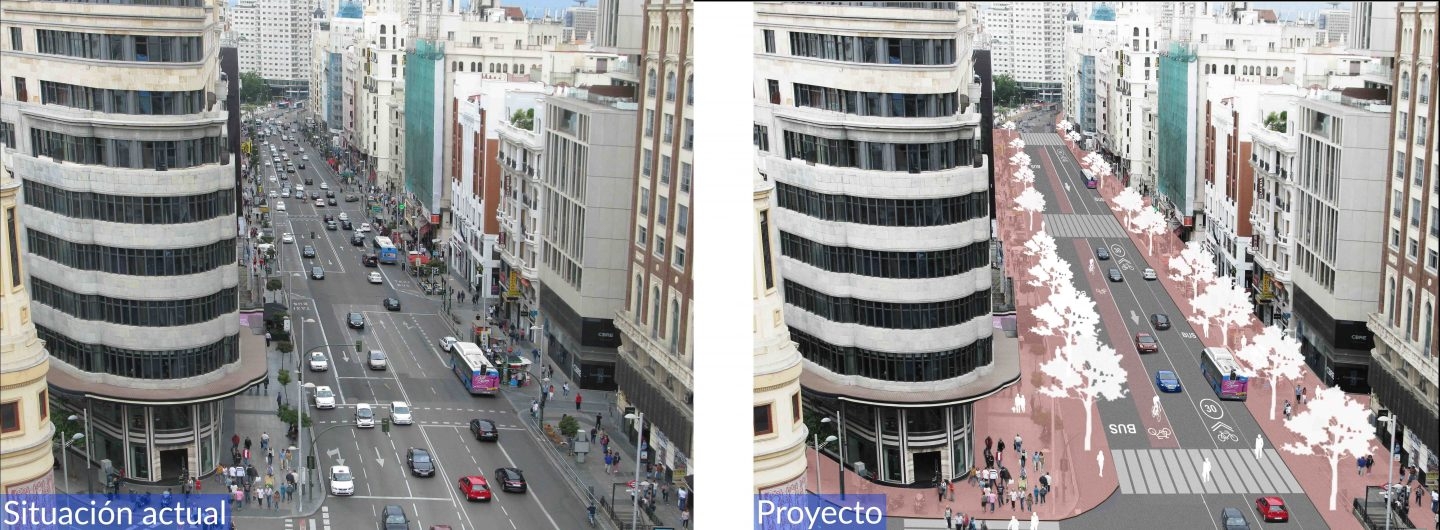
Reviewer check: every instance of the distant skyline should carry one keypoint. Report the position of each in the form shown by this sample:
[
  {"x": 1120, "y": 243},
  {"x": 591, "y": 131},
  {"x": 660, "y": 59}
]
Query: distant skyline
[
  {"x": 533, "y": 8},
  {"x": 1291, "y": 10}
]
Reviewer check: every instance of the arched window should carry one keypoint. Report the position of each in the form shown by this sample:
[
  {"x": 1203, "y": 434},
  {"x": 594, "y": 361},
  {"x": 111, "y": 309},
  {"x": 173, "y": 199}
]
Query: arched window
[
  {"x": 670, "y": 86},
  {"x": 1391, "y": 296},
  {"x": 1409, "y": 314},
  {"x": 674, "y": 324},
  {"x": 654, "y": 312},
  {"x": 1429, "y": 322},
  {"x": 639, "y": 299},
  {"x": 1424, "y": 88},
  {"x": 690, "y": 90},
  {"x": 1404, "y": 85},
  {"x": 382, "y": 29},
  {"x": 650, "y": 83}
]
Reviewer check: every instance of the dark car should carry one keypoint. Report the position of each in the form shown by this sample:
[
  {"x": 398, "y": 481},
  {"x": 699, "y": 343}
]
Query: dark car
[
  {"x": 301, "y": 165},
  {"x": 1115, "y": 276},
  {"x": 484, "y": 430},
  {"x": 1233, "y": 519},
  {"x": 309, "y": 181},
  {"x": 308, "y": 251},
  {"x": 329, "y": 194},
  {"x": 346, "y": 224},
  {"x": 328, "y": 218},
  {"x": 370, "y": 260},
  {"x": 314, "y": 195},
  {"x": 331, "y": 201},
  {"x": 357, "y": 240},
  {"x": 1160, "y": 321},
  {"x": 392, "y": 303},
  {"x": 511, "y": 479},
  {"x": 1272, "y": 509},
  {"x": 352, "y": 198},
  {"x": 355, "y": 320},
  {"x": 420, "y": 463},
  {"x": 317, "y": 272},
  {"x": 1102, "y": 253},
  {"x": 393, "y": 518},
  {"x": 1146, "y": 343},
  {"x": 330, "y": 225}
]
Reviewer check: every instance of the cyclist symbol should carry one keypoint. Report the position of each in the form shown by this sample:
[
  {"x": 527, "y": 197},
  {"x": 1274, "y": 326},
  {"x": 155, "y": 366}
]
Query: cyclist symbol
[
  {"x": 1227, "y": 436},
  {"x": 1161, "y": 433}
]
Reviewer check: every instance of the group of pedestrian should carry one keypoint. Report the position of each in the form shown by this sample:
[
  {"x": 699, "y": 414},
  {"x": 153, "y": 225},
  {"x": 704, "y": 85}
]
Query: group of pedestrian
[
  {"x": 961, "y": 521},
  {"x": 1364, "y": 464}
]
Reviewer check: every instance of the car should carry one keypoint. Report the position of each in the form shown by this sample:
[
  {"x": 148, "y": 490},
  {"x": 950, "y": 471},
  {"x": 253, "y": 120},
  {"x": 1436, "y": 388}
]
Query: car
[
  {"x": 1148, "y": 274},
  {"x": 324, "y": 397},
  {"x": 1272, "y": 509},
  {"x": 327, "y": 218},
  {"x": 323, "y": 185},
  {"x": 344, "y": 225},
  {"x": 420, "y": 463},
  {"x": 285, "y": 193},
  {"x": 369, "y": 260},
  {"x": 320, "y": 203},
  {"x": 484, "y": 430},
  {"x": 475, "y": 488},
  {"x": 331, "y": 201},
  {"x": 279, "y": 206},
  {"x": 317, "y": 273},
  {"x": 357, "y": 240},
  {"x": 268, "y": 163},
  {"x": 364, "y": 227},
  {"x": 309, "y": 181},
  {"x": 274, "y": 194},
  {"x": 1160, "y": 321},
  {"x": 1146, "y": 343},
  {"x": 448, "y": 343},
  {"x": 376, "y": 278},
  {"x": 302, "y": 164},
  {"x": 1102, "y": 253},
  {"x": 355, "y": 320},
  {"x": 318, "y": 362},
  {"x": 329, "y": 225},
  {"x": 315, "y": 195},
  {"x": 364, "y": 415},
  {"x": 1166, "y": 381},
  {"x": 290, "y": 169},
  {"x": 1114, "y": 275},
  {"x": 393, "y": 518},
  {"x": 378, "y": 360},
  {"x": 344, "y": 216},
  {"x": 287, "y": 238},
  {"x": 329, "y": 194},
  {"x": 511, "y": 479},
  {"x": 400, "y": 413},
  {"x": 341, "y": 481},
  {"x": 352, "y": 198},
  {"x": 1233, "y": 519},
  {"x": 392, "y": 303},
  {"x": 308, "y": 251}
]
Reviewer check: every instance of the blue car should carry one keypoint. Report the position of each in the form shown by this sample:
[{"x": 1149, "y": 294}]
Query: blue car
[{"x": 1167, "y": 381}]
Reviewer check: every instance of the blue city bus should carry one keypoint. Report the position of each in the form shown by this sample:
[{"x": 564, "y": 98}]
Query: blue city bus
[
  {"x": 1224, "y": 375},
  {"x": 389, "y": 255}
]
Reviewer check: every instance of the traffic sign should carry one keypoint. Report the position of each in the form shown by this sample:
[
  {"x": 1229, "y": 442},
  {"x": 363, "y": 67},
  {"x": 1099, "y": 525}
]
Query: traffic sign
[{"x": 375, "y": 209}]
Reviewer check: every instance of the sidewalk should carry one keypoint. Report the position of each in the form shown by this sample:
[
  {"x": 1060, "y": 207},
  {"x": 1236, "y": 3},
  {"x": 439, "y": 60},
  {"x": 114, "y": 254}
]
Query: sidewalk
[
  {"x": 1312, "y": 471},
  {"x": 1054, "y": 427},
  {"x": 590, "y": 477}
]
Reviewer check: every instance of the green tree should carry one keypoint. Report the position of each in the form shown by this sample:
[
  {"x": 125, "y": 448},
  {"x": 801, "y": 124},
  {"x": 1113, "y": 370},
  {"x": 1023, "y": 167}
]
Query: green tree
[
  {"x": 524, "y": 119},
  {"x": 1008, "y": 92},
  {"x": 282, "y": 377},
  {"x": 67, "y": 428},
  {"x": 569, "y": 426},
  {"x": 1277, "y": 121},
  {"x": 290, "y": 416},
  {"x": 284, "y": 346},
  {"x": 273, "y": 285},
  {"x": 254, "y": 89}
]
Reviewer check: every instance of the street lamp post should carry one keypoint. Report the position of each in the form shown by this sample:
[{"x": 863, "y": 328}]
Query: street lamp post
[
  {"x": 840, "y": 448},
  {"x": 64, "y": 457},
  {"x": 639, "y": 418},
  {"x": 300, "y": 422},
  {"x": 1389, "y": 470},
  {"x": 818, "y": 446}
]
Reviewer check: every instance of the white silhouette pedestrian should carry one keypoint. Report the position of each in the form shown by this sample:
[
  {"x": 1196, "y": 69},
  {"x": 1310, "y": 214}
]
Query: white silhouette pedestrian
[
  {"x": 1205, "y": 470},
  {"x": 1034, "y": 521},
  {"x": 1258, "y": 445},
  {"x": 1019, "y": 406},
  {"x": 1100, "y": 461},
  {"x": 1014, "y": 523}
]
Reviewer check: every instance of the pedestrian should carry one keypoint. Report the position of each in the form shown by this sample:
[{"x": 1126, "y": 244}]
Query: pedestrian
[
  {"x": 999, "y": 449},
  {"x": 950, "y": 485},
  {"x": 270, "y": 457},
  {"x": 597, "y": 419},
  {"x": 1022, "y": 461},
  {"x": 264, "y": 440},
  {"x": 608, "y": 461},
  {"x": 988, "y": 443},
  {"x": 947, "y": 518},
  {"x": 1287, "y": 410},
  {"x": 1018, "y": 449},
  {"x": 1039, "y": 460},
  {"x": 235, "y": 440},
  {"x": 245, "y": 455},
  {"x": 593, "y": 432},
  {"x": 1036, "y": 495},
  {"x": 577, "y": 401},
  {"x": 940, "y": 491},
  {"x": 267, "y": 339},
  {"x": 617, "y": 462},
  {"x": 247, "y": 442},
  {"x": 682, "y": 495},
  {"x": 665, "y": 493},
  {"x": 566, "y": 388},
  {"x": 1299, "y": 391},
  {"x": 685, "y": 519}
]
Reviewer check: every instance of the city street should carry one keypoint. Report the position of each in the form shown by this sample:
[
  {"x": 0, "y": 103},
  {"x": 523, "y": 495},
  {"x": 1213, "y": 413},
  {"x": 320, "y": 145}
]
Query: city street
[{"x": 417, "y": 374}]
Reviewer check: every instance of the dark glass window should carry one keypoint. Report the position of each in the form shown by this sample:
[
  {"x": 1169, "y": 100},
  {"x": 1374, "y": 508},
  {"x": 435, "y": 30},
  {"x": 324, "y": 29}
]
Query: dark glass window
[
  {"x": 130, "y": 210},
  {"x": 913, "y": 158},
  {"x": 883, "y": 212},
  {"x": 142, "y": 364},
  {"x": 886, "y": 264},
  {"x": 14, "y": 244},
  {"x": 889, "y": 315},
  {"x": 869, "y": 49},
  {"x": 763, "y": 422},
  {"x": 140, "y": 262},
  {"x": 765, "y": 250},
  {"x": 894, "y": 366},
  {"x": 10, "y": 416}
]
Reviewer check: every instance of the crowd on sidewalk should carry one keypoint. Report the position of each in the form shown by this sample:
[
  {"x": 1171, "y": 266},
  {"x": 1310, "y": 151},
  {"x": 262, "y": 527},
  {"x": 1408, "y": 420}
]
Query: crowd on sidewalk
[
  {"x": 998, "y": 487},
  {"x": 247, "y": 485}
]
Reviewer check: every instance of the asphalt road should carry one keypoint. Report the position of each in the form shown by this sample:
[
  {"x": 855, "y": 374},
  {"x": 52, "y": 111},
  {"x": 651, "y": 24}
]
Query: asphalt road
[
  {"x": 417, "y": 374},
  {"x": 1158, "y": 457}
]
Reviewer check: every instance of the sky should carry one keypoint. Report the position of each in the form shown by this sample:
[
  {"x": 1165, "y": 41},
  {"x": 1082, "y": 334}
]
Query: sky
[
  {"x": 531, "y": 7},
  {"x": 1289, "y": 10}
]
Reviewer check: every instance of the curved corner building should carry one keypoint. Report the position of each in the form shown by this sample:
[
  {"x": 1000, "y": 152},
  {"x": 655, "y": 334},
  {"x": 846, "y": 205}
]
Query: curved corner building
[
  {"x": 780, "y": 433},
  {"x": 116, "y": 115},
  {"x": 866, "y": 118}
]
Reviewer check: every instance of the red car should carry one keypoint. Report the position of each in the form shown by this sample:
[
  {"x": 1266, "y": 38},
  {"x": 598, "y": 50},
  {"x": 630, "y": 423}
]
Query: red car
[
  {"x": 1145, "y": 343},
  {"x": 1272, "y": 509},
  {"x": 475, "y": 488}
]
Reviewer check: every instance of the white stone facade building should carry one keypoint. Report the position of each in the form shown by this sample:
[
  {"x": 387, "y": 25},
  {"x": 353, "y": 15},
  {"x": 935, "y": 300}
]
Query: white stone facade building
[
  {"x": 1027, "y": 42},
  {"x": 780, "y": 463},
  {"x": 274, "y": 38},
  {"x": 521, "y": 158}
]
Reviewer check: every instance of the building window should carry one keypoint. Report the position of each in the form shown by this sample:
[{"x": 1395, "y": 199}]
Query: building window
[
  {"x": 795, "y": 407},
  {"x": 1409, "y": 314},
  {"x": 689, "y": 134},
  {"x": 650, "y": 82},
  {"x": 685, "y": 171},
  {"x": 16, "y": 43},
  {"x": 126, "y": 312},
  {"x": 888, "y": 315},
  {"x": 761, "y": 137},
  {"x": 670, "y": 86},
  {"x": 763, "y": 424},
  {"x": 21, "y": 93},
  {"x": 876, "y": 103},
  {"x": 139, "y": 262},
  {"x": 883, "y": 212},
  {"x": 644, "y": 201},
  {"x": 9, "y": 416},
  {"x": 142, "y": 364},
  {"x": 769, "y": 41},
  {"x": 665, "y": 169},
  {"x": 645, "y": 162},
  {"x": 669, "y": 136},
  {"x": 682, "y": 219},
  {"x": 674, "y": 331},
  {"x": 660, "y": 246},
  {"x": 690, "y": 90},
  {"x": 662, "y": 211},
  {"x": 14, "y": 244},
  {"x": 44, "y": 404},
  {"x": 128, "y": 209},
  {"x": 910, "y": 157},
  {"x": 649, "y": 123},
  {"x": 774, "y": 91},
  {"x": 7, "y": 134},
  {"x": 642, "y": 237},
  {"x": 886, "y": 264},
  {"x": 765, "y": 249},
  {"x": 680, "y": 258},
  {"x": 895, "y": 366}
]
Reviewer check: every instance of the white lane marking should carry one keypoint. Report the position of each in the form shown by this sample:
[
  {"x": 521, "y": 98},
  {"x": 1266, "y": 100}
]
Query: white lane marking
[
  {"x": 426, "y": 499},
  {"x": 536, "y": 497}
]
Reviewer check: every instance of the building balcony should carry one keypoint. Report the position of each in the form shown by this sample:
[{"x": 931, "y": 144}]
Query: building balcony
[
  {"x": 1409, "y": 350},
  {"x": 661, "y": 356}
]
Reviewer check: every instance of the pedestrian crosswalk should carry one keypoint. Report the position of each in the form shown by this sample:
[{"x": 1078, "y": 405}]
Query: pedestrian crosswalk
[
  {"x": 427, "y": 424},
  {"x": 1061, "y": 226},
  {"x": 320, "y": 521},
  {"x": 1184, "y": 472},
  {"x": 1041, "y": 138}
]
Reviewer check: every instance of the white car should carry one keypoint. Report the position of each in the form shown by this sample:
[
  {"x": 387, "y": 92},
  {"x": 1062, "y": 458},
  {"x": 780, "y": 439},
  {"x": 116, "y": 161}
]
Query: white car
[
  {"x": 341, "y": 481},
  {"x": 320, "y": 203},
  {"x": 318, "y": 362},
  {"x": 448, "y": 343},
  {"x": 285, "y": 193},
  {"x": 279, "y": 206},
  {"x": 364, "y": 228},
  {"x": 307, "y": 157},
  {"x": 268, "y": 163},
  {"x": 400, "y": 413},
  {"x": 287, "y": 238},
  {"x": 324, "y": 397},
  {"x": 1149, "y": 273},
  {"x": 364, "y": 415},
  {"x": 274, "y": 194},
  {"x": 344, "y": 216},
  {"x": 273, "y": 178},
  {"x": 376, "y": 278}
]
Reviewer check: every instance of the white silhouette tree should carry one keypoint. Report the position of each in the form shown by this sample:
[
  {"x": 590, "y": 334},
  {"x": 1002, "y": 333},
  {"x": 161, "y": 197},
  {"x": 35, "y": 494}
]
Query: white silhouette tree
[
  {"x": 1072, "y": 136},
  {"x": 1233, "y": 307},
  {"x": 1032, "y": 202},
  {"x": 1273, "y": 355},
  {"x": 1064, "y": 126},
  {"x": 1195, "y": 264},
  {"x": 1008, "y": 126},
  {"x": 1149, "y": 222},
  {"x": 1097, "y": 164},
  {"x": 1020, "y": 159},
  {"x": 1067, "y": 313},
  {"x": 1129, "y": 201},
  {"x": 1049, "y": 270},
  {"x": 1335, "y": 427},
  {"x": 1206, "y": 307},
  {"x": 1024, "y": 175},
  {"x": 1017, "y": 144},
  {"x": 1086, "y": 370}
]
